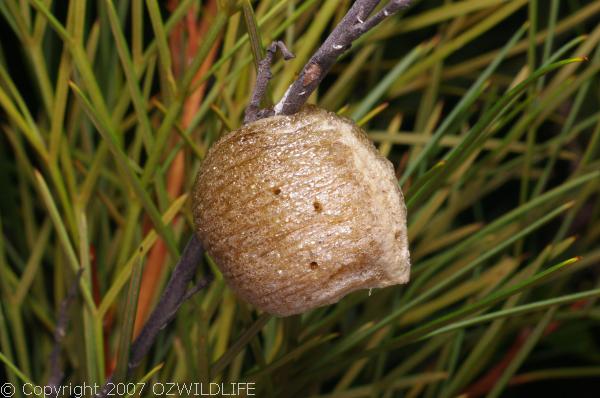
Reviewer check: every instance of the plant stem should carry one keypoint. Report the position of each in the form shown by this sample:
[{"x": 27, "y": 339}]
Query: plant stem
[
  {"x": 60, "y": 331},
  {"x": 352, "y": 26},
  {"x": 172, "y": 298},
  {"x": 263, "y": 75},
  {"x": 174, "y": 295}
]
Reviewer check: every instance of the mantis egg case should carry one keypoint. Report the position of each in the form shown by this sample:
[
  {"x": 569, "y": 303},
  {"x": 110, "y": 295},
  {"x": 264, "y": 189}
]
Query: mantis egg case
[{"x": 300, "y": 210}]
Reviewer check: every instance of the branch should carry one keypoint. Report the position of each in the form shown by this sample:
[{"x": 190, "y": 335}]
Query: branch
[
  {"x": 263, "y": 75},
  {"x": 60, "y": 331},
  {"x": 175, "y": 294},
  {"x": 353, "y": 25}
]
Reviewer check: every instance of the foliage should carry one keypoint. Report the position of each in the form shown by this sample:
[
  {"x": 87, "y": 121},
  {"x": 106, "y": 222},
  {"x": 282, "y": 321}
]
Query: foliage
[{"x": 487, "y": 109}]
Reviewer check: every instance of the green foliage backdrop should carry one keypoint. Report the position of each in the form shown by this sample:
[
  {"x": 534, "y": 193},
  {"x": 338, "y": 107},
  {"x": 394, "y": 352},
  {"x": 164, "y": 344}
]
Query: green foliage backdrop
[{"x": 489, "y": 109}]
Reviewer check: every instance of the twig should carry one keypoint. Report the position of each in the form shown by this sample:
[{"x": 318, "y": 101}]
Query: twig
[
  {"x": 176, "y": 292},
  {"x": 174, "y": 295},
  {"x": 263, "y": 75},
  {"x": 354, "y": 24},
  {"x": 60, "y": 331}
]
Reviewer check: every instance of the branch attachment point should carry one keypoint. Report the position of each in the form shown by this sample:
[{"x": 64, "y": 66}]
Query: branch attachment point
[{"x": 253, "y": 111}]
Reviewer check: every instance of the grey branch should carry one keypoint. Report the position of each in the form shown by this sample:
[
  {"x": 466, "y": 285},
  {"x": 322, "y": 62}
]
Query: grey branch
[
  {"x": 60, "y": 331},
  {"x": 354, "y": 24},
  {"x": 263, "y": 75},
  {"x": 175, "y": 294}
]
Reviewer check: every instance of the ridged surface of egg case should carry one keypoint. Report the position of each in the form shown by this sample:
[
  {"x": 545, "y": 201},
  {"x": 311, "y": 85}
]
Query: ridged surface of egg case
[{"x": 298, "y": 211}]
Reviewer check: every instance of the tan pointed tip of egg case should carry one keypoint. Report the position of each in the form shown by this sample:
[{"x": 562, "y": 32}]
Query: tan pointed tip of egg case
[{"x": 300, "y": 210}]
